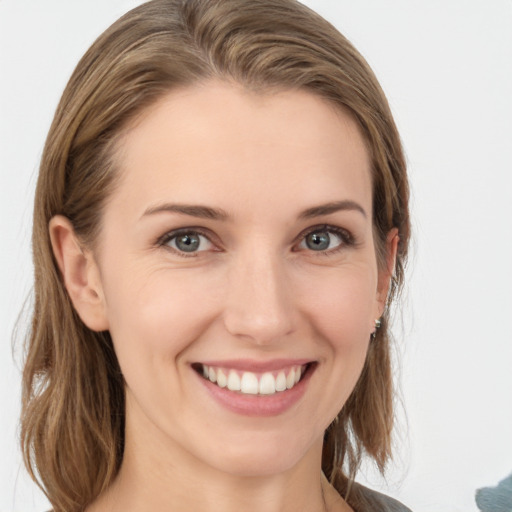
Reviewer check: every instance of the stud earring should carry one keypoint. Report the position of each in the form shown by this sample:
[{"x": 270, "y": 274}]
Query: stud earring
[{"x": 378, "y": 324}]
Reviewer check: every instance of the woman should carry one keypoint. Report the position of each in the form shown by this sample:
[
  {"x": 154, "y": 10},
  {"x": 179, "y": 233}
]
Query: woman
[{"x": 220, "y": 225}]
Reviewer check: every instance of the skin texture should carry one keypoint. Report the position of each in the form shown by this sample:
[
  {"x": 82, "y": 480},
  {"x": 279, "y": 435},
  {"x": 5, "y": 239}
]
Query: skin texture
[{"x": 254, "y": 290}]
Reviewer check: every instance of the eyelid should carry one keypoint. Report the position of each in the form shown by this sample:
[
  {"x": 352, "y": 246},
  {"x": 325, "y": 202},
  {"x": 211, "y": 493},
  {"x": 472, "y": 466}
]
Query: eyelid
[
  {"x": 348, "y": 239},
  {"x": 163, "y": 240}
]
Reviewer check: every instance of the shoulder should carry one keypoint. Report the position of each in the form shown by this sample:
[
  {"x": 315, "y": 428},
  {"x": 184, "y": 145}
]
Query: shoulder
[{"x": 377, "y": 502}]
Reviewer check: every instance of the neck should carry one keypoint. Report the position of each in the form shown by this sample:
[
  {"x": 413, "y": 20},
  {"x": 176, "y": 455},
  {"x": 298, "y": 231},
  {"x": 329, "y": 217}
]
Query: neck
[
  {"x": 146, "y": 484},
  {"x": 158, "y": 474}
]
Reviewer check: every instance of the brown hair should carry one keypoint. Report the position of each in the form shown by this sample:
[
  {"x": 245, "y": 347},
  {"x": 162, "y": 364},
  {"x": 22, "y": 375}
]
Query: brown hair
[{"x": 73, "y": 392}]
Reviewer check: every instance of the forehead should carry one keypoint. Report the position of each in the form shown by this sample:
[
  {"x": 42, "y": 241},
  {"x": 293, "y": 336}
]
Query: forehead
[{"x": 218, "y": 142}]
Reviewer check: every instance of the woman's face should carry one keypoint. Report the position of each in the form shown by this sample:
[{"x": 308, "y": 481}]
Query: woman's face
[{"x": 239, "y": 245}]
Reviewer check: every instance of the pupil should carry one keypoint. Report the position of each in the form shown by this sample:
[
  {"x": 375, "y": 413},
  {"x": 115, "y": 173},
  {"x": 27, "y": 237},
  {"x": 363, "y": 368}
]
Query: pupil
[
  {"x": 318, "y": 241},
  {"x": 187, "y": 243}
]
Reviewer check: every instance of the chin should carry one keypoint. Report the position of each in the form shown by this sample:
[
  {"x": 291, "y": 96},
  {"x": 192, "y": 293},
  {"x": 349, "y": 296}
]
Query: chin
[{"x": 262, "y": 455}]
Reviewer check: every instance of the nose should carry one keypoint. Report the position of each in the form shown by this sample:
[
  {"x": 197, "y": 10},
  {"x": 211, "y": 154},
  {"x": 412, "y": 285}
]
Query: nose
[{"x": 259, "y": 304}]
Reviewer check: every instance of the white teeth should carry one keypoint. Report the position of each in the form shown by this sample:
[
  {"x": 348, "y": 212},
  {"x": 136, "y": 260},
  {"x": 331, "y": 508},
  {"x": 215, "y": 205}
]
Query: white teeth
[
  {"x": 267, "y": 384},
  {"x": 233, "y": 381},
  {"x": 249, "y": 383},
  {"x": 222, "y": 380},
  {"x": 281, "y": 381},
  {"x": 290, "y": 380},
  {"x": 252, "y": 384}
]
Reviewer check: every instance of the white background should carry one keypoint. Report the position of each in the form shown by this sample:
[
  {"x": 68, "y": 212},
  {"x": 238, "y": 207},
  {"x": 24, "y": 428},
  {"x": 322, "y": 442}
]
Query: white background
[{"x": 446, "y": 66}]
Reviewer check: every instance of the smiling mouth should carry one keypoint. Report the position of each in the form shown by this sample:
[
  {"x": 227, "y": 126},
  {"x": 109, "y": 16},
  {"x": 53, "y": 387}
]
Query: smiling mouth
[{"x": 252, "y": 383}]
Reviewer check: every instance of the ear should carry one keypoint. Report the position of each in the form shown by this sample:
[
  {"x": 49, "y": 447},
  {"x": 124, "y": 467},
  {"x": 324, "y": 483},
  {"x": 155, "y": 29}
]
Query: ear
[
  {"x": 80, "y": 274},
  {"x": 386, "y": 274}
]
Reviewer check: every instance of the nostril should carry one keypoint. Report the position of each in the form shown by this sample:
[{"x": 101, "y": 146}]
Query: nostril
[
  {"x": 261, "y": 329},
  {"x": 259, "y": 304}
]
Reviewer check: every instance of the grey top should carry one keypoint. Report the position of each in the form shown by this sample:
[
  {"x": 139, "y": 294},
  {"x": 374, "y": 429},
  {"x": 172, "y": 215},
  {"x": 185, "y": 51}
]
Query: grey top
[{"x": 377, "y": 502}]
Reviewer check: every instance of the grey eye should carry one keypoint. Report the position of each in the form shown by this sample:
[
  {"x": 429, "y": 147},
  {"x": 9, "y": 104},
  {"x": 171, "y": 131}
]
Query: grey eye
[
  {"x": 321, "y": 241},
  {"x": 318, "y": 241},
  {"x": 189, "y": 242}
]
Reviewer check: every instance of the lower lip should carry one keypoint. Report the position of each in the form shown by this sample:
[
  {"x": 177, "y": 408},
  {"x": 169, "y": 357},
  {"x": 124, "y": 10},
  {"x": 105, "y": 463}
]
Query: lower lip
[{"x": 258, "y": 405}]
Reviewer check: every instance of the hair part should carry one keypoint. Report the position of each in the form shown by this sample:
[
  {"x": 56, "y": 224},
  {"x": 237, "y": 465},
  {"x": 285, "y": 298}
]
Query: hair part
[{"x": 72, "y": 431}]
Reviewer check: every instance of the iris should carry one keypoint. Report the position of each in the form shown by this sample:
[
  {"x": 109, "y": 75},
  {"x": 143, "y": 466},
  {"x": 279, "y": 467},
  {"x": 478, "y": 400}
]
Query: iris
[
  {"x": 188, "y": 242},
  {"x": 318, "y": 241}
]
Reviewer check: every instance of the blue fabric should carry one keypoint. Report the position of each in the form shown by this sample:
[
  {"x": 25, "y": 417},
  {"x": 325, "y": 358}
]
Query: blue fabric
[{"x": 496, "y": 499}]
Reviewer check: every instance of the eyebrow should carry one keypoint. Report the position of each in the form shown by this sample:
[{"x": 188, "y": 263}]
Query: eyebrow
[
  {"x": 204, "y": 212},
  {"x": 207, "y": 212},
  {"x": 328, "y": 208}
]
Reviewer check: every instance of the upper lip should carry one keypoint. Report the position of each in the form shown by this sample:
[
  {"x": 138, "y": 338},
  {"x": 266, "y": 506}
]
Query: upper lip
[{"x": 251, "y": 365}]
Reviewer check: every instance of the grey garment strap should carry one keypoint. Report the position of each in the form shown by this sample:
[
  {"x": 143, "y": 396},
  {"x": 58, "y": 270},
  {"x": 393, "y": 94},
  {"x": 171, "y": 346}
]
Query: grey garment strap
[{"x": 377, "y": 502}]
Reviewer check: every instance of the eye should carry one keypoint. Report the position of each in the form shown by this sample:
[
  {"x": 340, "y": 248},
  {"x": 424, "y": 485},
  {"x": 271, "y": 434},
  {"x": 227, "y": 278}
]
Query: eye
[
  {"x": 187, "y": 242},
  {"x": 326, "y": 238}
]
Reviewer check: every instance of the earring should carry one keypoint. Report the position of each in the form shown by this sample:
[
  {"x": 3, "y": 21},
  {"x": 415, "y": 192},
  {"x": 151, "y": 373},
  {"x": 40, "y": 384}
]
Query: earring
[{"x": 378, "y": 324}]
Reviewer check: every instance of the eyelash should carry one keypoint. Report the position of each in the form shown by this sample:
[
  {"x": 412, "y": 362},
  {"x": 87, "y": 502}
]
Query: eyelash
[
  {"x": 164, "y": 240},
  {"x": 347, "y": 239}
]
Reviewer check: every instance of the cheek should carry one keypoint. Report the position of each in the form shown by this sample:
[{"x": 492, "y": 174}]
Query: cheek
[
  {"x": 341, "y": 309},
  {"x": 342, "y": 306},
  {"x": 154, "y": 316},
  {"x": 154, "y": 319}
]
